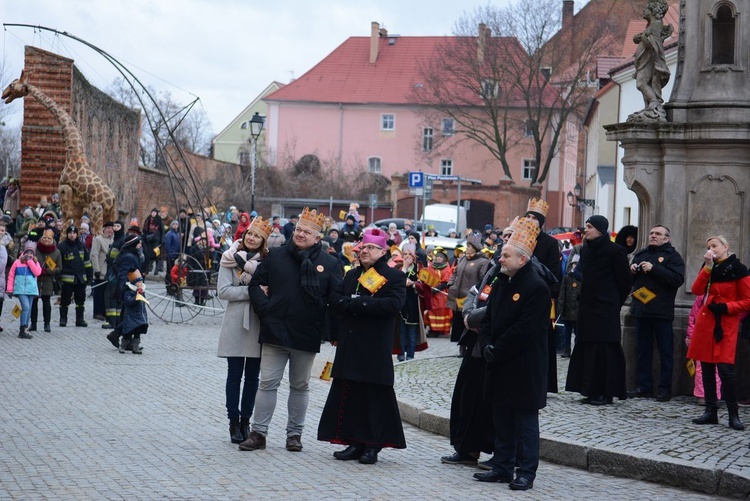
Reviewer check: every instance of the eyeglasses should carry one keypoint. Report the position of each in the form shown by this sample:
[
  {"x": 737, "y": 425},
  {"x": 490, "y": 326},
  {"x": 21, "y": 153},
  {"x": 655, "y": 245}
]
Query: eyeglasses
[
  {"x": 370, "y": 248},
  {"x": 304, "y": 232}
]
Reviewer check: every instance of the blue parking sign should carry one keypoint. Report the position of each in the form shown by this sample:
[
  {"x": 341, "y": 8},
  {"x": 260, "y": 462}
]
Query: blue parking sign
[{"x": 416, "y": 179}]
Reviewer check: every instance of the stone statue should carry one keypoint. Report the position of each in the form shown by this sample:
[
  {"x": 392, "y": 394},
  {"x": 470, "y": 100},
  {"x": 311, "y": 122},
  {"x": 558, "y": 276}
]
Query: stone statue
[
  {"x": 81, "y": 189},
  {"x": 651, "y": 71}
]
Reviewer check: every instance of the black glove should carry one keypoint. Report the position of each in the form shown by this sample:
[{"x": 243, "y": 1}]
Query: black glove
[
  {"x": 718, "y": 308},
  {"x": 97, "y": 275},
  {"x": 489, "y": 354},
  {"x": 441, "y": 286},
  {"x": 240, "y": 262}
]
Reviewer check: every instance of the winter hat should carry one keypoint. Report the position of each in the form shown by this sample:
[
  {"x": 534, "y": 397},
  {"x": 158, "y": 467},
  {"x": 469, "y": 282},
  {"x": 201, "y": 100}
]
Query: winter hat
[
  {"x": 374, "y": 236},
  {"x": 84, "y": 226},
  {"x": 108, "y": 224},
  {"x": 134, "y": 229},
  {"x": 131, "y": 239},
  {"x": 29, "y": 246},
  {"x": 475, "y": 241},
  {"x": 350, "y": 216},
  {"x": 253, "y": 214},
  {"x": 487, "y": 227},
  {"x": 600, "y": 223},
  {"x": 71, "y": 229}
]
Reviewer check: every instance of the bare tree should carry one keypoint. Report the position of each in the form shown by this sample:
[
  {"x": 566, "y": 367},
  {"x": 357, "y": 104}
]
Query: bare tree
[
  {"x": 10, "y": 135},
  {"x": 511, "y": 77},
  {"x": 192, "y": 130}
]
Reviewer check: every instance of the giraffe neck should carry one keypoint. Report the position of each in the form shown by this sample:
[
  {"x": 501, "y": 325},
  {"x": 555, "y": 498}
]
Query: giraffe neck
[{"x": 73, "y": 142}]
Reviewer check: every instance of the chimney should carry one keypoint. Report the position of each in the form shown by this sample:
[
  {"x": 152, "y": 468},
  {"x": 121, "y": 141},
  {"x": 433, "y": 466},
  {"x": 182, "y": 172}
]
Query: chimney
[
  {"x": 481, "y": 43},
  {"x": 374, "y": 41},
  {"x": 567, "y": 15}
]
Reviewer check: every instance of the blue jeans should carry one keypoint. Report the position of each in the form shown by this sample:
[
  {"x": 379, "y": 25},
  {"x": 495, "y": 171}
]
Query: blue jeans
[
  {"x": 273, "y": 361},
  {"x": 235, "y": 368},
  {"x": 516, "y": 441},
  {"x": 408, "y": 339},
  {"x": 648, "y": 329},
  {"x": 25, "y": 301},
  {"x": 569, "y": 329}
]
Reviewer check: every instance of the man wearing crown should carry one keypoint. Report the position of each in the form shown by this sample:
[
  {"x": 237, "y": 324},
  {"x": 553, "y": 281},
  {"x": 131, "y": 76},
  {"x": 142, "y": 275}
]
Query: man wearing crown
[
  {"x": 513, "y": 338},
  {"x": 290, "y": 291},
  {"x": 361, "y": 411},
  {"x": 547, "y": 252}
]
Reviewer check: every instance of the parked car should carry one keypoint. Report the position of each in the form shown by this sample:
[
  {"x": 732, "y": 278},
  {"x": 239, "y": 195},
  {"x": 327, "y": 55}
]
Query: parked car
[
  {"x": 399, "y": 223},
  {"x": 560, "y": 229}
]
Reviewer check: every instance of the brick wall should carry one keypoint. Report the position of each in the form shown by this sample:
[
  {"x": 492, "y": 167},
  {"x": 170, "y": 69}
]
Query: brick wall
[{"x": 110, "y": 131}]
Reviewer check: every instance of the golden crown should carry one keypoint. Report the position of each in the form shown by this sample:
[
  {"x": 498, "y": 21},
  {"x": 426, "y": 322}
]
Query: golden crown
[
  {"x": 312, "y": 219},
  {"x": 261, "y": 227},
  {"x": 524, "y": 235},
  {"x": 538, "y": 205}
]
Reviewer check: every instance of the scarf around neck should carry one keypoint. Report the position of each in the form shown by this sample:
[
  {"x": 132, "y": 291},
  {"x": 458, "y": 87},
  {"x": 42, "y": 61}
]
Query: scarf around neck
[{"x": 308, "y": 277}]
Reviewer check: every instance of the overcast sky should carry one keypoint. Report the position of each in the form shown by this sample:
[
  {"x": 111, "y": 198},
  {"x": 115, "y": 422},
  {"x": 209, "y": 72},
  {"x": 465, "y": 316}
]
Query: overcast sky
[{"x": 223, "y": 51}]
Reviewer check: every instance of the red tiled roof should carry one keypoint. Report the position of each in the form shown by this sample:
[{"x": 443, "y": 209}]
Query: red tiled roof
[{"x": 347, "y": 76}]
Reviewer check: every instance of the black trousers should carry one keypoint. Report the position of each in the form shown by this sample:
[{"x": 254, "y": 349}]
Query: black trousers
[
  {"x": 75, "y": 291},
  {"x": 728, "y": 386},
  {"x": 46, "y": 309}
]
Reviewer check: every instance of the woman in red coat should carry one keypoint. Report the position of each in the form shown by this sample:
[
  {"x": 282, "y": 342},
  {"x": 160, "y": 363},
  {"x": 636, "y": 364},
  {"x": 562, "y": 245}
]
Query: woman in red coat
[{"x": 725, "y": 286}]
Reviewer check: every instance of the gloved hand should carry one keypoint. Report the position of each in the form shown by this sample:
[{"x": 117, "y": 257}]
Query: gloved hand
[
  {"x": 441, "y": 286},
  {"x": 489, "y": 354},
  {"x": 718, "y": 308},
  {"x": 97, "y": 275},
  {"x": 240, "y": 262}
]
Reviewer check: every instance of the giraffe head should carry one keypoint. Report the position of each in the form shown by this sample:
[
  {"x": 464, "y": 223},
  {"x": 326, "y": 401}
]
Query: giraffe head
[{"x": 17, "y": 88}]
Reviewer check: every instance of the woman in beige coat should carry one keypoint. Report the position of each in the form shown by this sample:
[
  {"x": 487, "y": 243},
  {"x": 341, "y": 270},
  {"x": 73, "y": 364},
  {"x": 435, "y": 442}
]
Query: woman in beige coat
[{"x": 238, "y": 341}]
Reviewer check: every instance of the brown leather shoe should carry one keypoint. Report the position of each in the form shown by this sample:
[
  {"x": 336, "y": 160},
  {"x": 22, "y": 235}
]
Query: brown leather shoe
[
  {"x": 254, "y": 442},
  {"x": 294, "y": 443}
]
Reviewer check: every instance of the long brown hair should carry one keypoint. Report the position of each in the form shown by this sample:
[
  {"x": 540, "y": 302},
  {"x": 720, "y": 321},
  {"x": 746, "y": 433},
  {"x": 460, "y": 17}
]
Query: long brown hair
[{"x": 263, "y": 247}]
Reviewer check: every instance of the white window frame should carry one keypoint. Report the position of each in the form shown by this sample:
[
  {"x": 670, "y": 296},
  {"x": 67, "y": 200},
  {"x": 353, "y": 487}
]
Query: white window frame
[
  {"x": 528, "y": 163},
  {"x": 371, "y": 163},
  {"x": 446, "y": 167},
  {"x": 428, "y": 134},
  {"x": 387, "y": 121},
  {"x": 448, "y": 126}
]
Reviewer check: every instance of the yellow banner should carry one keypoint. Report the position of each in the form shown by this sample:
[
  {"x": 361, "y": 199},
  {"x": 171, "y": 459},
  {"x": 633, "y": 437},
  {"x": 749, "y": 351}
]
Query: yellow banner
[
  {"x": 372, "y": 280},
  {"x": 16, "y": 311},
  {"x": 644, "y": 295},
  {"x": 50, "y": 263}
]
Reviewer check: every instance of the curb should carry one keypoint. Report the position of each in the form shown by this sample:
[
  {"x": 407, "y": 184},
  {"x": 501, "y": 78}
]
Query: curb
[{"x": 647, "y": 467}]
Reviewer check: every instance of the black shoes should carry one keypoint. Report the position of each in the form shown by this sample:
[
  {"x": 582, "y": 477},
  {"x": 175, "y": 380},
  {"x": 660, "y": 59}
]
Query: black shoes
[
  {"x": 245, "y": 427},
  {"x": 521, "y": 484},
  {"x": 113, "y": 338},
  {"x": 598, "y": 400},
  {"x": 47, "y": 327},
  {"x": 640, "y": 393},
  {"x": 354, "y": 451},
  {"x": 369, "y": 455},
  {"x": 23, "y": 334},
  {"x": 663, "y": 396},
  {"x": 32, "y": 328},
  {"x": 458, "y": 458},
  {"x": 734, "y": 418},
  {"x": 235, "y": 432},
  {"x": 711, "y": 416},
  {"x": 491, "y": 476}
]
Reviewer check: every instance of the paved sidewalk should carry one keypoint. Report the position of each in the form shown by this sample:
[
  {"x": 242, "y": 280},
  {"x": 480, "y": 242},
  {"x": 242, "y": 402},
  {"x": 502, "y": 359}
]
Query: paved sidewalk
[
  {"x": 80, "y": 421},
  {"x": 636, "y": 438}
]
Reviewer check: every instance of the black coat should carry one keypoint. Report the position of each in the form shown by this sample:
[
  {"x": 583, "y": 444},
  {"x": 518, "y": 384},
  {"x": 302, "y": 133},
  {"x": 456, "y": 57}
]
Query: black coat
[
  {"x": 134, "y": 316},
  {"x": 667, "y": 275},
  {"x": 76, "y": 268},
  {"x": 516, "y": 323},
  {"x": 547, "y": 251},
  {"x": 605, "y": 285},
  {"x": 366, "y": 325},
  {"x": 285, "y": 319}
]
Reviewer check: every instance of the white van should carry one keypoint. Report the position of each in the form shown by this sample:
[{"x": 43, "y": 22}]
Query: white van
[{"x": 444, "y": 217}]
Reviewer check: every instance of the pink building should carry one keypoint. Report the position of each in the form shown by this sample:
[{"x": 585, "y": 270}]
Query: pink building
[{"x": 355, "y": 110}]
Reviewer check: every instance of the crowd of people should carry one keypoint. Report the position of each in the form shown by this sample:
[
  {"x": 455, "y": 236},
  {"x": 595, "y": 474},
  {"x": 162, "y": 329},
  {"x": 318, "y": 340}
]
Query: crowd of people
[{"x": 375, "y": 293}]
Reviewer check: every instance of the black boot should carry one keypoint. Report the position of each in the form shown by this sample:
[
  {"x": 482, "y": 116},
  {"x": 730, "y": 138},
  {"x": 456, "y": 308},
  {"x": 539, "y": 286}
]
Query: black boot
[
  {"x": 734, "y": 417},
  {"x": 32, "y": 327},
  {"x": 709, "y": 417},
  {"x": 235, "y": 431},
  {"x": 124, "y": 342},
  {"x": 245, "y": 427},
  {"x": 47, "y": 327},
  {"x": 63, "y": 316},
  {"x": 136, "y": 347},
  {"x": 23, "y": 334},
  {"x": 80, "y": 322}
]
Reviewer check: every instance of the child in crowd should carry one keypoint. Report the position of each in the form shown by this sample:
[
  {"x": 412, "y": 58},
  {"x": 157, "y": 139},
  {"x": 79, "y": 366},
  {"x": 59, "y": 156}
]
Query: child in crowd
[
  {"x": 22, "y": 283},
  {"x": 567, "y": 304},
  {"x": 134, "y": 316}
]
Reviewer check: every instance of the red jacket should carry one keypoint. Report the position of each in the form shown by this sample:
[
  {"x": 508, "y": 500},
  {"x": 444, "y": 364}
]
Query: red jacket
[{"x": 735, "y": 292}]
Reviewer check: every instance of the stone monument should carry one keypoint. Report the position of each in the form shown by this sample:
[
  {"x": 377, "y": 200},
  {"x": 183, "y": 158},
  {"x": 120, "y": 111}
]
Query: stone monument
[{"x": 692, "y": 171}]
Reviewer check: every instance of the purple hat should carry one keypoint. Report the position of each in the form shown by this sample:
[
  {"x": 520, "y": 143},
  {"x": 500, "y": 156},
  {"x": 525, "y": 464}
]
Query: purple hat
[{"x": 374, "y": 236}]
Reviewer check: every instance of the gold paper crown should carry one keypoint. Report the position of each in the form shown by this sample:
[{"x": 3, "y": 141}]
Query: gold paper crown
[
  {"x": 261, "y": 227},
  {"x": 312, "y": 219},
  {"x": 538, "y": 205},
  {"x": 524, "y": 235}
]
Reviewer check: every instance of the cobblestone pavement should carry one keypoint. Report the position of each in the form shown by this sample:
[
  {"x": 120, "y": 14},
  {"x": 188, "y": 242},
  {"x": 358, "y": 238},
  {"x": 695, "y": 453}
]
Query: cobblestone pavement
[
  {"x": 642, "y": 437},
  {"x": 80, "y": 421}
]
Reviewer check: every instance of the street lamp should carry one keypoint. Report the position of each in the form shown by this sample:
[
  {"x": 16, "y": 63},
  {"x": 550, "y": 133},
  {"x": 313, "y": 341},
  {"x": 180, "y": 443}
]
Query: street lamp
[
  {"x": 256, "y": 127},
  {"x": 575, "y": 200}
]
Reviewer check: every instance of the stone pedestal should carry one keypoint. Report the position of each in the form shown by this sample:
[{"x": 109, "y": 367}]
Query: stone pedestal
[{"x": 694, "y": 179}]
